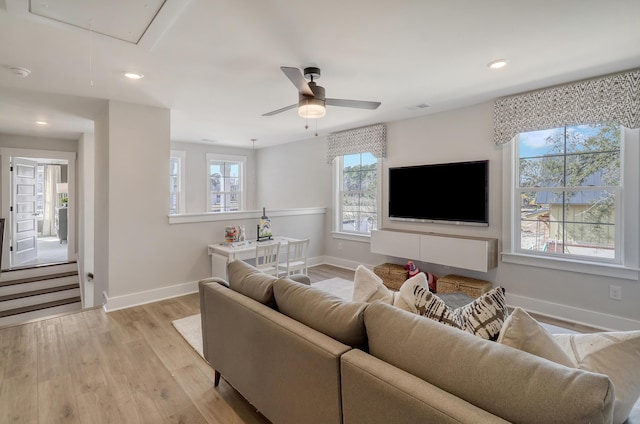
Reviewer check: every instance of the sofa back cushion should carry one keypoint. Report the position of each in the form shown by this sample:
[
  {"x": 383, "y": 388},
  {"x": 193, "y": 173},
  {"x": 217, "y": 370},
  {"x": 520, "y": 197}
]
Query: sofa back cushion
[
  {"x": 512, "y": 384},
  {"x": 322, "y": 311},
  {"x": 251, "y": 282}
]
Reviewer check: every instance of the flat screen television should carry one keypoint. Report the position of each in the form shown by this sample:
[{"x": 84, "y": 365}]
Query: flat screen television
[{"x": 451, "y": 193}]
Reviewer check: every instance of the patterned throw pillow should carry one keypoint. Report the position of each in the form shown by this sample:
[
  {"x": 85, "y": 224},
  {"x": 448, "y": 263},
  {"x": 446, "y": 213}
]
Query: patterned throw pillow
[{"x": 483, "y": 317}]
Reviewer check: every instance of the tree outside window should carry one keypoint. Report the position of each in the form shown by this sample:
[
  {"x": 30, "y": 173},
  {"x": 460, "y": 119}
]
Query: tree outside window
[
  {"x": 358, "y": 194},
  {"x": 569, "y": 188},
  {"x": 225, "y": 183}
]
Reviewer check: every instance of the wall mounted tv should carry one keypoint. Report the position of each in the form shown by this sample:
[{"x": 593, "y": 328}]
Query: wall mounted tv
[{"x": 450, "y": 193}]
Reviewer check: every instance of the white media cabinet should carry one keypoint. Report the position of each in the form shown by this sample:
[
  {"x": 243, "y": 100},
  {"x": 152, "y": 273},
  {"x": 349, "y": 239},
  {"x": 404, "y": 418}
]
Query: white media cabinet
[{"x": 473, "y": 253}]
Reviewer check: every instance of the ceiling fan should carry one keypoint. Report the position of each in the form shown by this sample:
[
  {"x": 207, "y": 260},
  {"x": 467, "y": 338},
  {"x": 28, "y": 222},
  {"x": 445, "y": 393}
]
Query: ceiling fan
[{"x": 311, "y": 96}]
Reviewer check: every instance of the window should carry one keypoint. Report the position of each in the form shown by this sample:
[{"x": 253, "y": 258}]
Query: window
[
  {"x": 176, "y": 182},
  {"x": 568, "y": 190},
  {"x": 358, "y": 182},
  {"x": 225, "y": 182}
]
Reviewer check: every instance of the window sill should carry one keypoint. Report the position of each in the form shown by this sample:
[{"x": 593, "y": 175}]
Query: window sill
[
  {"x": 590, "y": 268},
  {"x": 352, "y": 237}
]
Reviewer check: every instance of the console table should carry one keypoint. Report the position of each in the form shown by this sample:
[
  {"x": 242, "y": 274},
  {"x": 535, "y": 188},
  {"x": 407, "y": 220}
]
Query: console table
[
  {"x": 223, "y": 253},
  {"x": 473, "y": 253}
]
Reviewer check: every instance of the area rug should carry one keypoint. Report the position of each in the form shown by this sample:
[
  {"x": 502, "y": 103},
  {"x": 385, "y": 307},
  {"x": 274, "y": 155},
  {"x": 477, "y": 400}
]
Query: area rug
[
  {"x": 336, "y": 286},
  {"x": 190, "y": 328}
]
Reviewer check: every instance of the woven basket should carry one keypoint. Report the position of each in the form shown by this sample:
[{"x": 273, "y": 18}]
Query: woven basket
[
  {"x": 460, "y": 284},
  {"x": 393, "y": 275}
]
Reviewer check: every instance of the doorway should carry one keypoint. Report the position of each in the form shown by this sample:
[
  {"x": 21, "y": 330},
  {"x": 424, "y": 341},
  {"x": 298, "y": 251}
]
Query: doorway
[{"x": 40, "y": 221}]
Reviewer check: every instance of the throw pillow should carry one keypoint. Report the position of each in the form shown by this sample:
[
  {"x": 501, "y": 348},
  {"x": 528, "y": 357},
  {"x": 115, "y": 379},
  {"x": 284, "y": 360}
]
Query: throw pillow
[
  {"x": 521, "y": 331},
  {"x": 483, "y": 317},
  {"x": 613, "y": 353},
  {"x": 368, "y": 287}
]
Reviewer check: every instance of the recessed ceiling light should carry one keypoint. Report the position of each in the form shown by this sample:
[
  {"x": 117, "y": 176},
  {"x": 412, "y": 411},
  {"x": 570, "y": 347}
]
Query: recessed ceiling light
[
  {"x": 42, "y": 123},
  {"x": 133, "y": 75},
  {"x": 497, "y": 64}
]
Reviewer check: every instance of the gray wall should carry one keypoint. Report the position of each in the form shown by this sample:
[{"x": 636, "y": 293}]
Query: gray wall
[{"x": 458, "y": 135}]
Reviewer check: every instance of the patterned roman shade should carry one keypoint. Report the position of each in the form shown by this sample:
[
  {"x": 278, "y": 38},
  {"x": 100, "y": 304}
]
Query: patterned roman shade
[
  {"x": 371, "y": 139},
  {"x": 612, "y": 98}
]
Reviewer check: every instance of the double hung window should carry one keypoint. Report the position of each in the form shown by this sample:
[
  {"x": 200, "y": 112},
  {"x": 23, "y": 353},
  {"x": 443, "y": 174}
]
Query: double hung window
[
  {"x": 569, "y": 191},
  {"x": 176, "y": 182},
  {"x": 358, "y": 182},
  {"x": 225, "y": 182}
]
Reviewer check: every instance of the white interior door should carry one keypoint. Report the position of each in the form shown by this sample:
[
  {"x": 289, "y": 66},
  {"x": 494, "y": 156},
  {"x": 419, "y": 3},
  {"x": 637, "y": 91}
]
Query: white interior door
[{"x": 24, "y": 235}]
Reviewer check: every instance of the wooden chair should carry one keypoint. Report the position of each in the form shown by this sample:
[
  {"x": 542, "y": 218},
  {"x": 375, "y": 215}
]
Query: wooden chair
[
  {"x": 267, "y": 257},
  {"x": 297, "y": 252}
]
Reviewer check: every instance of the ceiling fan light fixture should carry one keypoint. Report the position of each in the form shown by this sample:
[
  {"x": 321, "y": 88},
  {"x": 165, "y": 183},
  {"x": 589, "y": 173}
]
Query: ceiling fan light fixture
[
  {"x": 311, "y": 108},
  {"x": 497, "y": 64},
  {"x": 133, "y": 75}
]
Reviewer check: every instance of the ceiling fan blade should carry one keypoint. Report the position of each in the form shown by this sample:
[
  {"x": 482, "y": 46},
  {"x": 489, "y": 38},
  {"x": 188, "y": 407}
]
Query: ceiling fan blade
[
  {"x": 274, "y": 112},
  {"x": 298, "y": 80},
  {"x": 360, "y": 104}
]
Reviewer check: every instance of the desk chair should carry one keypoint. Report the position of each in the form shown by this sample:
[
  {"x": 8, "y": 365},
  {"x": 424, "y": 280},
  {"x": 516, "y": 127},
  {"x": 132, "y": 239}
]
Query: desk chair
[
  {"x": 267, "y": 256},
  {"x": 297, "y": 252}
]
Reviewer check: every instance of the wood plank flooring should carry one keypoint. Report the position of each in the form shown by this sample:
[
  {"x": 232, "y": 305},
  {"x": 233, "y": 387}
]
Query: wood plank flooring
[{"x": 127, "y": 366}]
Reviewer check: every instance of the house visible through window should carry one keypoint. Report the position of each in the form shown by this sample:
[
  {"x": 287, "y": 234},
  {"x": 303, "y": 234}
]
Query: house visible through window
[
  {"x": 225, "y": 183},
  {"x": 357, "y": 204},
  {"x": 568, "y": 191},
  {"x": 176, "y": 182}
]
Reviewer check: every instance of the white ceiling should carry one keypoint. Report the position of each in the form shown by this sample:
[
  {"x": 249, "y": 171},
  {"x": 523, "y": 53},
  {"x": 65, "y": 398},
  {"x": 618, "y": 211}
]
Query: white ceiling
[{"x": 216, "y": 63}]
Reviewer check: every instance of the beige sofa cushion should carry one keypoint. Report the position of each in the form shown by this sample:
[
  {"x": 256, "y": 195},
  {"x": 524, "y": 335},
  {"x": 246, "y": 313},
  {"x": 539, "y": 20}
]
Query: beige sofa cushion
[
  {"x": 512, "y": 384},
  {"x": 614, "y": 354},
  {"x": 322, "y": 311},
  {"x": 368, "y": 287},
  {"x": 251, "y": 282},
  {"x": 523, "y": 332}
]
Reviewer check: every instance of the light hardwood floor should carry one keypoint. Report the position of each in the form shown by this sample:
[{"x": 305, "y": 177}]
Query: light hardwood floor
[{"x": 127, "y": 366}]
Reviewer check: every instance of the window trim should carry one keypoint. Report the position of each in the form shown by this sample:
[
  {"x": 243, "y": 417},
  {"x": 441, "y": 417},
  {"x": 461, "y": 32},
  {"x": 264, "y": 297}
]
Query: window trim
[
  {"x": 337, "y": 203},
  {"x": 181, "y": 155},
  {"x": 628, "y": 268},
  {"x": 243, "y": 172}
]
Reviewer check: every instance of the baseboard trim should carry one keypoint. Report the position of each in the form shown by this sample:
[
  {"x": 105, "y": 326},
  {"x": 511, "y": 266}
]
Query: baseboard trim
[
  {"x": 343, "y": 263},
  {"x": 572, "y": 314},
  {"x": 140, "y": 298}
]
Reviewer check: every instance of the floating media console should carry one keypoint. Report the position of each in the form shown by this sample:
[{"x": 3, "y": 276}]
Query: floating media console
[{"x": 473, "y": 253}]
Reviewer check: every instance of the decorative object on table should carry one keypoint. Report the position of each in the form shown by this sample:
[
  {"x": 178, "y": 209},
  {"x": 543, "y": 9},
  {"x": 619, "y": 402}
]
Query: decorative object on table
[
  {"x": 242, "y": 235},
  {"x": 264, "y": 227},
  {"x": 230, "y": 234}
]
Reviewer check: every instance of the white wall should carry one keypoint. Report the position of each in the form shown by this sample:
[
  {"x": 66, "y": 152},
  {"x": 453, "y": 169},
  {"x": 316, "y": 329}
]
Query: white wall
[
  {"x": 458, "y": 135},
  {"x": 196, "y": 173}
]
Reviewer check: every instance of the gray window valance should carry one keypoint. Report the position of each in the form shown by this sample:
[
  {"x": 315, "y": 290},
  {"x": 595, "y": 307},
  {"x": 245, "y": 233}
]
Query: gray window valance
[
  {"x": 612, "y": 98},
  {"x": 371, "y": 139}
]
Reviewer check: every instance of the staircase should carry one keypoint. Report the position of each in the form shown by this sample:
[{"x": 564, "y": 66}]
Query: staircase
[{"x": 31, "y": 293}]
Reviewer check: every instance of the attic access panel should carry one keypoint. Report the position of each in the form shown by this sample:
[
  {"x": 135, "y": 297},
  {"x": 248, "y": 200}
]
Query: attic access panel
[{"x": 124, "y": 20}]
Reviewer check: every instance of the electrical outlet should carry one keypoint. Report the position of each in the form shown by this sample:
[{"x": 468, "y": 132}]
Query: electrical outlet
[{"x": 615, "y": 292}]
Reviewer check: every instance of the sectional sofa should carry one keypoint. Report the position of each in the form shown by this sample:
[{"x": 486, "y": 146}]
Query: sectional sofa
[{"x": 301, "y": 355}]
